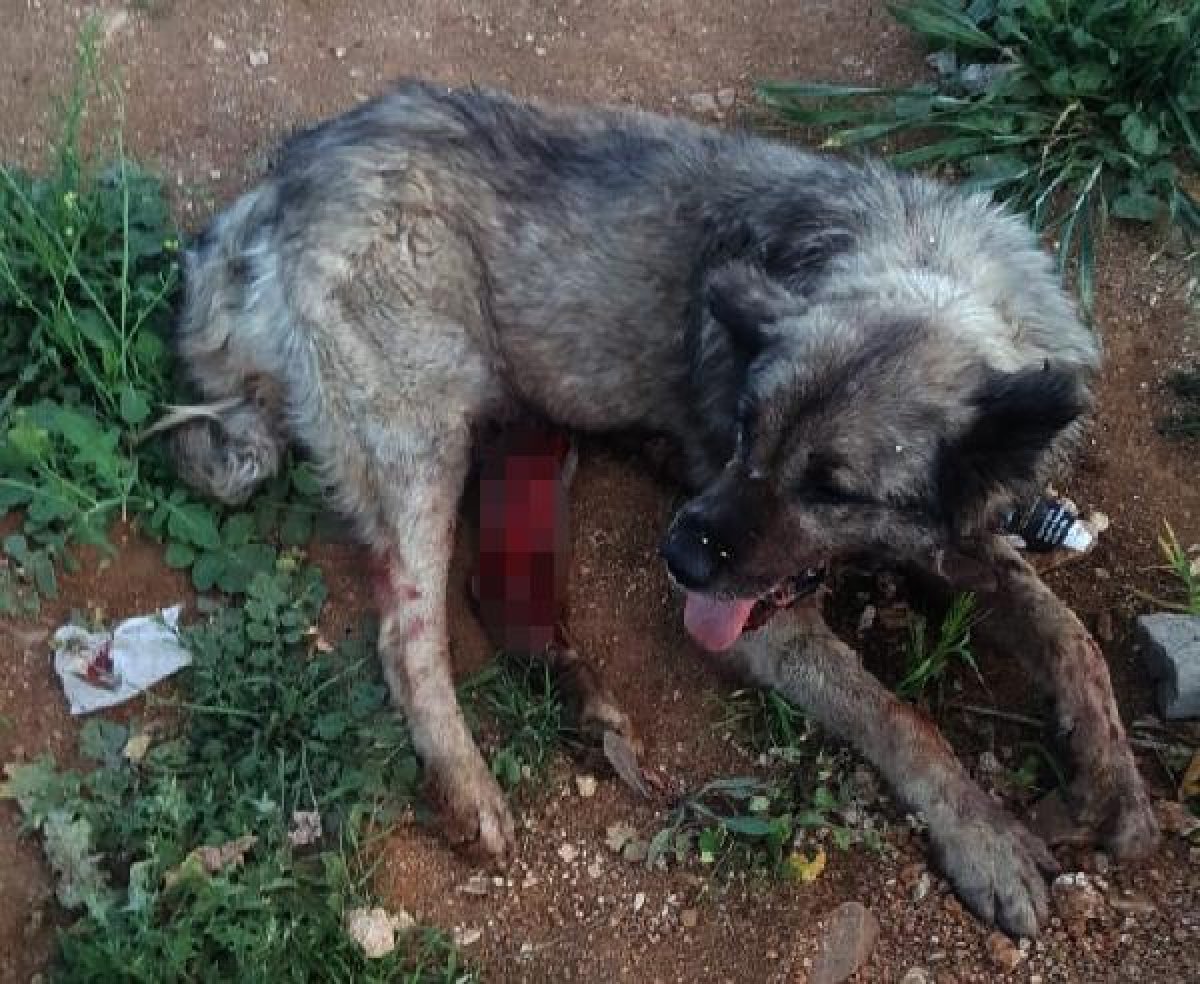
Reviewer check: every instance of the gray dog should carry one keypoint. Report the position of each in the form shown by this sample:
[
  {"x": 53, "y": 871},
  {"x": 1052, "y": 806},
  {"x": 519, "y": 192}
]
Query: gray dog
[{"x": 846, "y": 359}]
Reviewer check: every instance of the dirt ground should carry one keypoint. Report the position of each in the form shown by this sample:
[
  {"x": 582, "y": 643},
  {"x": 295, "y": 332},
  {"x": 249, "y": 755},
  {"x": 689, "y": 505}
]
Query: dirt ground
[{"x": 201, "y": 112}]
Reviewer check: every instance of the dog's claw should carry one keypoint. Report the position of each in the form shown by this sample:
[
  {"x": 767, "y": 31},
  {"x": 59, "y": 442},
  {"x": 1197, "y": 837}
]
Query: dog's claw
[
  {"x": 996, "y": 865},
  {"x": 475, "y": 813},
  {"x": 1119, "y": 812},
  {"x": 622, "y": 755}
]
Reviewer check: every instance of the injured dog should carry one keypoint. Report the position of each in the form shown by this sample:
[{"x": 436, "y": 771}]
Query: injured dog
[{"x": 846, "y": 358}]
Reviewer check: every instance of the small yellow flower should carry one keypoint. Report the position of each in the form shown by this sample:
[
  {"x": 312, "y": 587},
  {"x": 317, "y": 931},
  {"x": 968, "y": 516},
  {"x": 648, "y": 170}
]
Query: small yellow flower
[{"x": 804, "y": 869}]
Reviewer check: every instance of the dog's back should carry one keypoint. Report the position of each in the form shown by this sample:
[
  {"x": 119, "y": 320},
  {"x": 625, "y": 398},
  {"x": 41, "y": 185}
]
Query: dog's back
[{"x": 570, "y": 247}]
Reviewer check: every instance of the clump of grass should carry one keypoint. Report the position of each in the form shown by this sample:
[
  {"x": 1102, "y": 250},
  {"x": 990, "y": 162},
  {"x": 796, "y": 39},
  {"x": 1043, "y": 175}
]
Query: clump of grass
[
  {"x": 927, "y": 661},
  {"x": 1072, "y": 110},
  {"x": 523, "y": 701},
  {"x": 767, "y": 723},
  {"x": 266, "y": 724},
  {"x": 88, "y": 276}
]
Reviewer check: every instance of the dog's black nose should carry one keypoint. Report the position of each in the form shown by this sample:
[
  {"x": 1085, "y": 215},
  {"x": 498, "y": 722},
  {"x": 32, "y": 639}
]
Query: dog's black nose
[{"x": 691, "y": 556}]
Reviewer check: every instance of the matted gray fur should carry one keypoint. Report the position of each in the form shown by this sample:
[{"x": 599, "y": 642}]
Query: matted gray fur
[{"x": 847, "y": 359}]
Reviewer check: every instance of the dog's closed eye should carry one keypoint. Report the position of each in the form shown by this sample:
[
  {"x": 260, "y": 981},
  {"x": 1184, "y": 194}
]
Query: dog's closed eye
[{"x": 825, "y": 476}]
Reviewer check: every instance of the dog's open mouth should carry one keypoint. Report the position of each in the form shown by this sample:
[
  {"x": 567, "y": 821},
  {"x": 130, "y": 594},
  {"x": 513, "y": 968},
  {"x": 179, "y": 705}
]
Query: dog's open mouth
[{"x": 717, "y": 623}]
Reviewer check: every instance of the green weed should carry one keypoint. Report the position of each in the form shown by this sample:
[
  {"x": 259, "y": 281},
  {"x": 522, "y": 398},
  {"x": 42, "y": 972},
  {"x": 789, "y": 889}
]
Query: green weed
[
  {"x": 1072, "y": 111},
  {"x": 523, "y": 702},
  {"x": 722, "y": 816},
  {"x": 88, "y": 277},
  {"x": 926, "y": 662},
  {"x": 265, "y": 726},
  {"x": 809, "y": 794},
  {"x": 748, "y": 822},
  {"x": 1185, "y": 566}
]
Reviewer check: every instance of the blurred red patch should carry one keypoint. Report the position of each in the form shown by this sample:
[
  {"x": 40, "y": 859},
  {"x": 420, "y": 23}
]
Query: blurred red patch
[{"x": 521, "y": 577}]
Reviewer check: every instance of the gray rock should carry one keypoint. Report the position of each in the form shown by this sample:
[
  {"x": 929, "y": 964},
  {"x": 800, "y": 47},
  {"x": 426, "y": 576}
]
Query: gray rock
[
  {"x": 1171, "y": 645},
  {"x": 851, "y": 932},
  {"x": 703, "y": 102},
  {"x": 943, "y": 62}
]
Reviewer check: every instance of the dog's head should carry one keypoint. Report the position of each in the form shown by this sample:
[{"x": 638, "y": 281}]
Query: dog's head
[{"x": 851, "y": 426}]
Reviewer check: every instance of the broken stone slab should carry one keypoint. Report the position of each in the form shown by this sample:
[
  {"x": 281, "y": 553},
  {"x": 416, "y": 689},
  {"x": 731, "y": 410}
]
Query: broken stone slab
[{"x": 1171, "y": 645}]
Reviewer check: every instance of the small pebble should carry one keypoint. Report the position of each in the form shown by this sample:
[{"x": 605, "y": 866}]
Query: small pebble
[
  {"x": 467, "y": 937},
  {"x": 1003, "y": 954}
]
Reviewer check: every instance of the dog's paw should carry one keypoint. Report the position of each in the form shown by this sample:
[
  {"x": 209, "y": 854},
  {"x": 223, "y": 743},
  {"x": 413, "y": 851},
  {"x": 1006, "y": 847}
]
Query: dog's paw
[
  {"x": 1119, "y": 811},
  {"x": 996, "y": 865},
  {"x": 475, "y": 813},
  {"x": 600, "y": 714}
]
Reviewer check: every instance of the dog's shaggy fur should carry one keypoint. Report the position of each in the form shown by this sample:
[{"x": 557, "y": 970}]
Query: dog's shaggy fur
[{"x": 847, "y": 359}]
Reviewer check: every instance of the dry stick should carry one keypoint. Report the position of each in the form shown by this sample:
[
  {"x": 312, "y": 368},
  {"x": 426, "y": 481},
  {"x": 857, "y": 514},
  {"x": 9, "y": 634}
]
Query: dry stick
[
  {"x": 1149, "y": 744},
  {"x": 994, "y": 712}
]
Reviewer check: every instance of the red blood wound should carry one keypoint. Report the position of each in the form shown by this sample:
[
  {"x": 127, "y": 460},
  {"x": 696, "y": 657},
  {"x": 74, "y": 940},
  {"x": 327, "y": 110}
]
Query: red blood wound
[
  {"x": 381, "y": 569},
  {"x": 521, "y": 579},
  {"x": 379, "y": 573}
]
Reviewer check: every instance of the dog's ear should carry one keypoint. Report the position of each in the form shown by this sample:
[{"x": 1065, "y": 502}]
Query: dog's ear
[
  {"x": 738, "y": 316},
  {"x": 1019, "y": 416},
  {"x": 744, "y": 301}
]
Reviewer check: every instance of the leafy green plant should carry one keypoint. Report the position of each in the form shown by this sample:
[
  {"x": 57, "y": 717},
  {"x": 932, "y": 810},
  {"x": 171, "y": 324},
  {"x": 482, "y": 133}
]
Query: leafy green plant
[
  {"x": 722, "y": 816},
  {"x": 1072, "y": 110},
  {"x": 523, "y": 702},
  {"x": 926, "y": 662},
  {"x": 178, "y": 846},
  {"x": 752, "y": 822},
  {"x": 88, "y": 276}
]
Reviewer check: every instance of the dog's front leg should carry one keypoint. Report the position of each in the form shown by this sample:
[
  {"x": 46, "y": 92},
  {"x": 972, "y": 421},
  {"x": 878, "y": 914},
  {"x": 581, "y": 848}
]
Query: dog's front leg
[
  {"x": 1025, "y": 618},
  {"x": 995, "y": 864},
  {"x": 410, "y": 585}
]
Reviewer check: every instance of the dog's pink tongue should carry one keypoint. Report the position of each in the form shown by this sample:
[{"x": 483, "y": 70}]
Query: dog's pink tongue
[{"x": 713, "y": 623}]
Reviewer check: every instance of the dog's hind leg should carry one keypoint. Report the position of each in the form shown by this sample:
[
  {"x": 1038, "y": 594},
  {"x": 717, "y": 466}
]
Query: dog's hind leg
[
  {"x": 410, "y": 573},
  {"x": 994, "y": 862},
  {"x": 1025, "y": 618}
]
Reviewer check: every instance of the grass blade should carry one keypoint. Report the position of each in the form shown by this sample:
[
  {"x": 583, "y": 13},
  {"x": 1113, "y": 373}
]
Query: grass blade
[
  {"x": 938, "y": 21},
  {"x": 952, "y": 149},
  {"x": 1185, "y": 124},
  {"x": 780, "y": 92}
]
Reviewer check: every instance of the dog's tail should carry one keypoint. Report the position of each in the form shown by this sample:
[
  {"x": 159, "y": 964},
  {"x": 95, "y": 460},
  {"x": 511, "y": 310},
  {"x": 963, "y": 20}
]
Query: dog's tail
[{"x": 228, "y": 340}]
